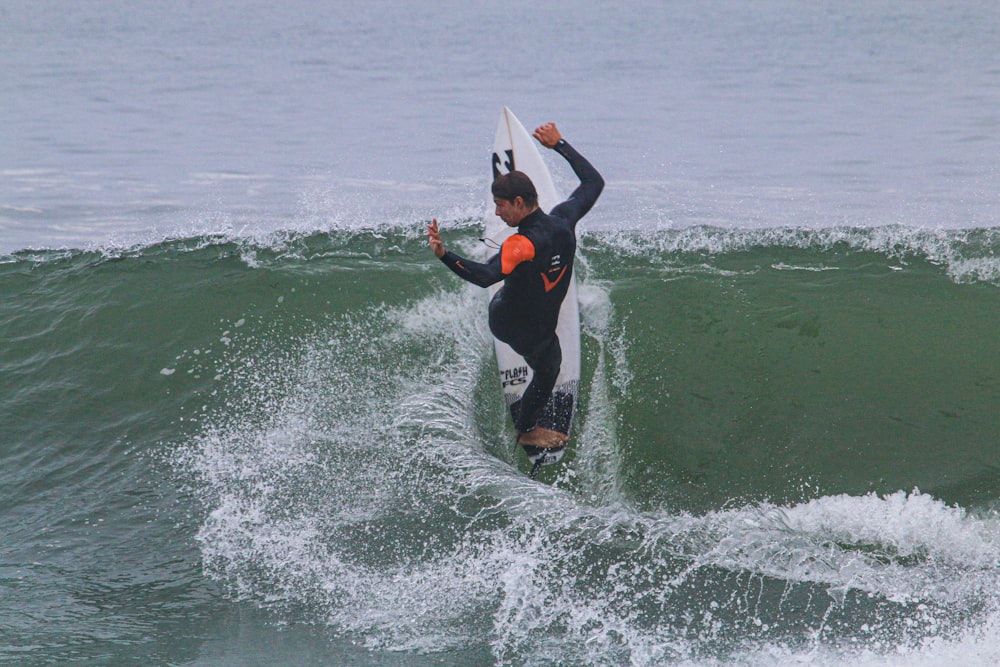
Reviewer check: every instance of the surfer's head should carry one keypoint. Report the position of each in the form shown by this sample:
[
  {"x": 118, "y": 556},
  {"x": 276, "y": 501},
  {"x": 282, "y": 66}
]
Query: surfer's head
[
  {"x": 515, "y": 196},
  {"x": 516, "y": 184}
]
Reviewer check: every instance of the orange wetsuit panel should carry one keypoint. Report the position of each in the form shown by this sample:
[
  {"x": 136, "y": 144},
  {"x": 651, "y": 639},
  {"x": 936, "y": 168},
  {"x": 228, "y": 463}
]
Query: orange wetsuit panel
[{"x": 516, "y": 249}]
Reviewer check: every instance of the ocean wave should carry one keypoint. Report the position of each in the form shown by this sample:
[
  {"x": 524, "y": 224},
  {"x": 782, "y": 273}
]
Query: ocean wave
[{"x": 363, "y": 488}]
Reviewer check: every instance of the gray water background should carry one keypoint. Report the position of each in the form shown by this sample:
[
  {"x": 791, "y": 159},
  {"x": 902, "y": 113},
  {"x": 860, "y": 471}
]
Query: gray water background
[{"x": 124, "y": 122}]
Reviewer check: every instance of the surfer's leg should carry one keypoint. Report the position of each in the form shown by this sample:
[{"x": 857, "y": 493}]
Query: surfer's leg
[{"x": 545, "y": 360}]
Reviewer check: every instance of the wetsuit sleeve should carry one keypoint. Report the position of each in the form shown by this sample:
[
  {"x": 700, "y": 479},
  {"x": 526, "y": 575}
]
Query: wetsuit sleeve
[
  {"x": 476, "y": 273},
  {"x": 591, "y": 185}
]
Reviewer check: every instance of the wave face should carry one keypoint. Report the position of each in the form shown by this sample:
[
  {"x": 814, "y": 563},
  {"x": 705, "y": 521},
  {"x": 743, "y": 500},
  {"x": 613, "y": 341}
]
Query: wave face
[{"x": 785, "y": 451}]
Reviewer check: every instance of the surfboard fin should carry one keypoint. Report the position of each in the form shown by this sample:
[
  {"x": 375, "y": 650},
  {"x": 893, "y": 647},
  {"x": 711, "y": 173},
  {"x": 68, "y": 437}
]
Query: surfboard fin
[{"x": 543, "y": 456}]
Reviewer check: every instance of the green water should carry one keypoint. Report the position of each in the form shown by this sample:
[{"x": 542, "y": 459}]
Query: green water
[{"x": 786, "y": 444}]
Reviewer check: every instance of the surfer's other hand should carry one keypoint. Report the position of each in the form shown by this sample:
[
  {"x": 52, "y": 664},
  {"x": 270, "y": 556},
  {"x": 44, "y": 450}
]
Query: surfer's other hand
[
  {"x": 548, "y": 135},
  {"x": 434, "y": 239}
]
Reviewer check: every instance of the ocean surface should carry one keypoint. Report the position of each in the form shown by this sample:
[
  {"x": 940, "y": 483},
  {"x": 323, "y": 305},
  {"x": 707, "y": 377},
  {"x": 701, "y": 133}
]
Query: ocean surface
[{"x": 246, "y": 418}]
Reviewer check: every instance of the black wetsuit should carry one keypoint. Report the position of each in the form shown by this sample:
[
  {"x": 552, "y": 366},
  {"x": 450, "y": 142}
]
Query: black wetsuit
[{"x": 536, "y": 264}]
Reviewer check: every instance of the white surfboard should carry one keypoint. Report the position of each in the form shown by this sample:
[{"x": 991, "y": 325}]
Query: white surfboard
[{"x": 515, "y": 149}]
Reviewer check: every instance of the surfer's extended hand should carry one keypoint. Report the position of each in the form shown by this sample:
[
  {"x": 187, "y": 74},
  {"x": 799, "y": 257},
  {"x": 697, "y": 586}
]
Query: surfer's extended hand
[
  {"x": 434, "y": 239},
  {"x": 548, "y": 135}
]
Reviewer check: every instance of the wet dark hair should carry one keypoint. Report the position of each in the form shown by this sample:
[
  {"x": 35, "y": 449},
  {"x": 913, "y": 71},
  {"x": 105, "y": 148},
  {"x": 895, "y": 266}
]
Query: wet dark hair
[{"x": 513, "y": 185}]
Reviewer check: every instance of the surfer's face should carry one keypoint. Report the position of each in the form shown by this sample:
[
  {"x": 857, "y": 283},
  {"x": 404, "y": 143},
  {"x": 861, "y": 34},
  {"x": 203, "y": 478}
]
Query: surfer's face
[{"x": 511, "y": 212}]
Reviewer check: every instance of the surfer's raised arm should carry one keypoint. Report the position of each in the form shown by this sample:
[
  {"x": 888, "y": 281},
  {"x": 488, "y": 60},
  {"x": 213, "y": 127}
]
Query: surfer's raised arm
[{"x": 591, "y": 182}]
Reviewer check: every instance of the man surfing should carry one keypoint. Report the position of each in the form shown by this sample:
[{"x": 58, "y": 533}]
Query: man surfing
[{"x": 535, "y": 264}]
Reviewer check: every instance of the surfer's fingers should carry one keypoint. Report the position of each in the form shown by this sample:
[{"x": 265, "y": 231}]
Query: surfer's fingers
[{"x": 547, "y": 134}]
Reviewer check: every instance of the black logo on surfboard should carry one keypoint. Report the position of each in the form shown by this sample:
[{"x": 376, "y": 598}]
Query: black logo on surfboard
[
  {"x": 512, "y": 377},
  {"x": 508, "y": 163}
]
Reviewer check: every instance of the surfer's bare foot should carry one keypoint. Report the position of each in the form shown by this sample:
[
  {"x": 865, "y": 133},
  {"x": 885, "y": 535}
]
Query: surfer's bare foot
[{"x": 543, "y": 437}]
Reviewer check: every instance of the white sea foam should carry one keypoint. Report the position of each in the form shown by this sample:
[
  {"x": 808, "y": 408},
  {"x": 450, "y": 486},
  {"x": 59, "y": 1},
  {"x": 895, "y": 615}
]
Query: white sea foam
[{"x": 598, "y": 453}]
